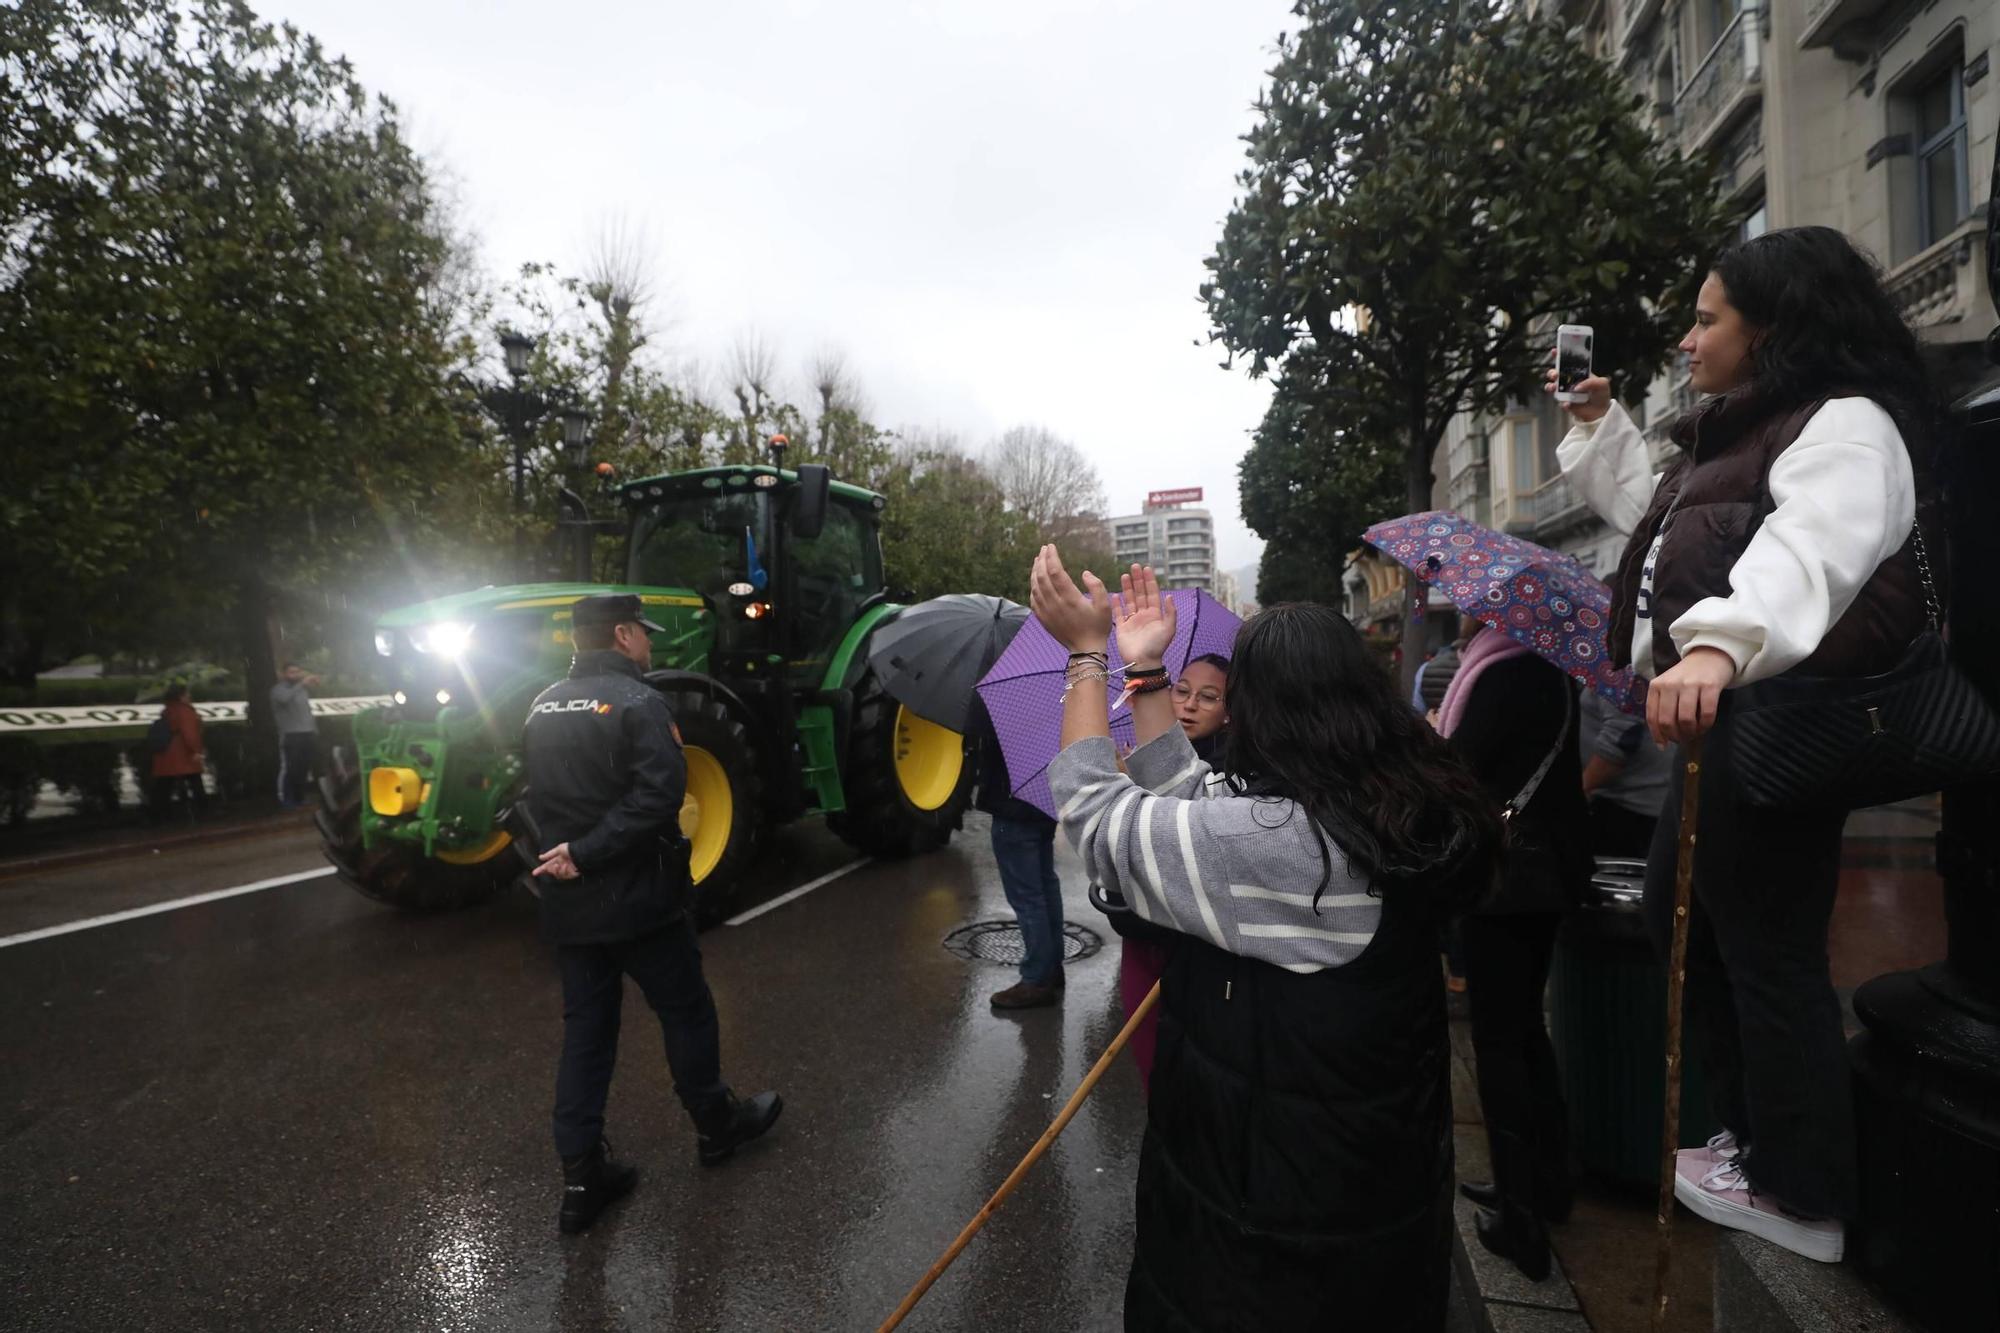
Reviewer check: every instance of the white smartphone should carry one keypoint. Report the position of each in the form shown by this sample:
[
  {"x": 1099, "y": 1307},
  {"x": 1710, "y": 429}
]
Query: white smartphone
[{"x": 1572, "y": 361}]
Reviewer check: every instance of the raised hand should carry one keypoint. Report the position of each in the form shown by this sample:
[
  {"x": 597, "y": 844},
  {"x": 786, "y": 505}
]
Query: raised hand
[
  {"x": 1143, "y": 617},
  {"x": 1596, "y": 391},
  {"x": 1077, "y": 618}
]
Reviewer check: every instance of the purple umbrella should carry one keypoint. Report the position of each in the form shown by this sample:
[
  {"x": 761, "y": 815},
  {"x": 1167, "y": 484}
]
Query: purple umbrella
[
  {"x": 1022, "y": 689},
  {"x": 1541, "y": 598}
]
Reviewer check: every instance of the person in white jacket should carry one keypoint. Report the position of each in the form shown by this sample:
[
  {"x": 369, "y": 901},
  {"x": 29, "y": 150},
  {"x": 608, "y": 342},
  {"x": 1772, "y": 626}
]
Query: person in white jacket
[{"x": 1778, "y": 540}]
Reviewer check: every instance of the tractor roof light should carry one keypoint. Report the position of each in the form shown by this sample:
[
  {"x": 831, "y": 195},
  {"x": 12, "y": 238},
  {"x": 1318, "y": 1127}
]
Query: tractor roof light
[
  {"x": 741, "y": 589},
  {"x": 764, "y": 479}
]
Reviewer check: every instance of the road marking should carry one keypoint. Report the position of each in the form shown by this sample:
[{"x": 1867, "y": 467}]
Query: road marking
[
  {"x": 176, "y": 904},
  {"x": 801, "y": 891}
]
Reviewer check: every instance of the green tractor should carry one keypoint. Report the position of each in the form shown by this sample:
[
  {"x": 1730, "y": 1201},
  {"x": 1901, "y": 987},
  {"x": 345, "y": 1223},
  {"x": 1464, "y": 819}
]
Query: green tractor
[{"x": 768, "y": 583}]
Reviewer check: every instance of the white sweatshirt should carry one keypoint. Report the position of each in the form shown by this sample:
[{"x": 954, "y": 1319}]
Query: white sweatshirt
[{"x": 1846, "y": 501}]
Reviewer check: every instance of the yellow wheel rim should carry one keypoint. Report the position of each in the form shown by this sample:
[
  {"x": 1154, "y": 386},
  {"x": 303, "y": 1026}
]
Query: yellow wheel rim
[
  {"x": 478, "y": 852},
  {"x": 928, "y": 760},
  {"x": 707, "y": 813}
]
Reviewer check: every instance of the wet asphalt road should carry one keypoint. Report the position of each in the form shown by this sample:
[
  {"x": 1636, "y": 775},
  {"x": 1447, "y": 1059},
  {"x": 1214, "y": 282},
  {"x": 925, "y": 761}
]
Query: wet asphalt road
[{"x": 293, "y": 1109}]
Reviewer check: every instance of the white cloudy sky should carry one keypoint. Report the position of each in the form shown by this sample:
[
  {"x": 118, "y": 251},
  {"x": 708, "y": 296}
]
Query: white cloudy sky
[{"x": 998, "y": 211}]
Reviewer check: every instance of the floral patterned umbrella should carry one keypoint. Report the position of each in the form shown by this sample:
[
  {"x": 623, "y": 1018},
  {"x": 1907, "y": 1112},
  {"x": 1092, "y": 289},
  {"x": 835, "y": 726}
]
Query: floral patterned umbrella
[{"x": 1542, "y": 598}]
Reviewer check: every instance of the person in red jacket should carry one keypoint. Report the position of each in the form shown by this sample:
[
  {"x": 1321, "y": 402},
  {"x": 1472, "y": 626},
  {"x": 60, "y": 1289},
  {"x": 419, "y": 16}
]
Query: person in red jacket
[{"x": 177, "y": 763}]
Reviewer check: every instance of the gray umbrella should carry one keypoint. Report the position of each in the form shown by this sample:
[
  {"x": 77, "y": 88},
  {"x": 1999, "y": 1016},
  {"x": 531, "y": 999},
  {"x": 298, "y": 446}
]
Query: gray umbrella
[{"x": 931, "y": 656}]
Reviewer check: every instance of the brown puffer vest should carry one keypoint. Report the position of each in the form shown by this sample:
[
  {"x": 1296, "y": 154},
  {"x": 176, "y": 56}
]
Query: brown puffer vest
[{"x": 1722, "y": 483}]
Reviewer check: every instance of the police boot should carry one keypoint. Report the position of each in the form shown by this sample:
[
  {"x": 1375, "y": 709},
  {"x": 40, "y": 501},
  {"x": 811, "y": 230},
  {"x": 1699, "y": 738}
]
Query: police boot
[
  {"x": 729, "y": 1122},
  {"x": 592, "y": 1183},
  {"x": 1513, "y": 1230}
]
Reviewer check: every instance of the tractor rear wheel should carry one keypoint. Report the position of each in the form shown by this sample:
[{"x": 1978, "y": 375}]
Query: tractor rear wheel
[
  {"x": 400, "y": 875},
  {"x": 907, "y": 780},
  {"x": 722, "y": 816}
]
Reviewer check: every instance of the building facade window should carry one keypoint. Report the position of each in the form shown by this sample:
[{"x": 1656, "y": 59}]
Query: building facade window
[
  {"x": 1521, "y": 443},
  {"x": 1942, "y": 186},
  {"x": 1755, "y": 223}
]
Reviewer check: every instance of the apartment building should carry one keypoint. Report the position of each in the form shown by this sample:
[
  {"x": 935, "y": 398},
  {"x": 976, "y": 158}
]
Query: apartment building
[
  {"x": 1874, "y": 116},
  {"x": 1171, "y": 534}
]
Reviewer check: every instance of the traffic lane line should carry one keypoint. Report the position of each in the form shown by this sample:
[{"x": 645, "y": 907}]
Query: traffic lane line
[
  {"x": 171, "y": 905},
  {"x": 744, "y": 918},
  {"x": 280, "y": 881}
]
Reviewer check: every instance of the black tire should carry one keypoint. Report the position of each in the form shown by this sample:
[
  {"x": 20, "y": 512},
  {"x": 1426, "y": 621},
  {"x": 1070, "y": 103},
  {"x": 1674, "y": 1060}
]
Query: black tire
[
  {"x": 880, "y": 819},
  {"x": 399, "y": 876},
  {"x": 708, "y": 726}
]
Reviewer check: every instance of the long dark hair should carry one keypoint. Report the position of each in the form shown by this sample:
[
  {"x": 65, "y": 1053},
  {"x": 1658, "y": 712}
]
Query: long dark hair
[
  {"x": 1314, "y": 718},
  {"x": 1824, "y": 327}
]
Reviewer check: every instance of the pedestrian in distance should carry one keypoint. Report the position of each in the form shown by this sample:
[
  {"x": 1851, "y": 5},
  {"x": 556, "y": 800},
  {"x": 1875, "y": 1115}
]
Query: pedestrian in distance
[
  {"x": 1296, "y": 1168},
  {"x": 1201, "y": 706},
  {"x": 174, "y": 740},
  {"x": 298, "y": 733},
  {"x": 606, "y": 778},
  {"x": 1782, "y": 539},
  {"x": 1024, "y": 851},
  {"x": 1512, "y": 718}
]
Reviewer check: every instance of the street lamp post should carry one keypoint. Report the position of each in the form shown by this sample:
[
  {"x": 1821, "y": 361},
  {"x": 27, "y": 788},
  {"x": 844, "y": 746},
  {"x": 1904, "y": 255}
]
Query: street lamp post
[{"x": 518, "y": 348}]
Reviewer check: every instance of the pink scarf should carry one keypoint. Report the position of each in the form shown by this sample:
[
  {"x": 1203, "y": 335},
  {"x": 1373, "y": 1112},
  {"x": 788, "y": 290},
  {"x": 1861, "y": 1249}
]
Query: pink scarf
[{"x": 1488, "y": 646}]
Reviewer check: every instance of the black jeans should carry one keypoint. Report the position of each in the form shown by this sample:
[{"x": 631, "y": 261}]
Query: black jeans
[
  {"x": 298, "y": 756},
  {"x": 160, "y": 795},
  {"x": 667, "y": 966},
  {"x": 1758, "y": 982},
  {"x": 1520, "y": 1088}
]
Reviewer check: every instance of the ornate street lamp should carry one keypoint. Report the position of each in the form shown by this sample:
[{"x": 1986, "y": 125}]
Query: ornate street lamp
[
  {"x": 575, "y": 435},
  {"x": 518, "y": 348}
]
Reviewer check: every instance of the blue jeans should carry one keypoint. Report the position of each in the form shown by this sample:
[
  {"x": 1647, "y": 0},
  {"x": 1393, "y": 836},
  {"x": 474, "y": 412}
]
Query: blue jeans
[{"x": 1026, "y": 852}]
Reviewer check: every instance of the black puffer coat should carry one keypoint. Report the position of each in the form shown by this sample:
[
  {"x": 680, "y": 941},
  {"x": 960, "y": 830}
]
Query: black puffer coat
[{"x": 1296, "y": 1173}]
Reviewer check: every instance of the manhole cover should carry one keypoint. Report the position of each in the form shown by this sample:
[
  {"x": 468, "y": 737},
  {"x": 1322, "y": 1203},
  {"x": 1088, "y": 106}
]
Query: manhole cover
[{"x": 1000, "y": 942}]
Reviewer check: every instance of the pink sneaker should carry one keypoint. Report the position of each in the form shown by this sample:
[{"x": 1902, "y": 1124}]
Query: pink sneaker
[
  {"x": 1721, "y": 1148},
  {"x": 1724, "y": 1195}
]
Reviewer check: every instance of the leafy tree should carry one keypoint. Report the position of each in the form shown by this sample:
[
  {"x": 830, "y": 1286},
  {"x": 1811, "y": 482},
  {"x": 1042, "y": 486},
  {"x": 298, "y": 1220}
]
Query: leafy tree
[
  {"x": 1316, "y": 475},
  {"x": 226, "y": 343},
  {"x": 1432, "y": 183},
  {"x": 946, "y": 528}
]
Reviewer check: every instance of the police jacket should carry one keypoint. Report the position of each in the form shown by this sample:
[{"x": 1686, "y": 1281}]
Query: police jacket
[{"x": 606, "y": 776}]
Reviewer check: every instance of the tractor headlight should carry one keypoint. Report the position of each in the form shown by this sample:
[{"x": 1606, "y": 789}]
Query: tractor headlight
[
  {"x": 385, "y": 642},
  {"x": 446, "y": 638}
]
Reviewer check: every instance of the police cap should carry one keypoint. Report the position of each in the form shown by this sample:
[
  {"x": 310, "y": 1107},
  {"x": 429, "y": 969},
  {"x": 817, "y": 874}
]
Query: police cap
[{"x": 620, "y": 610}]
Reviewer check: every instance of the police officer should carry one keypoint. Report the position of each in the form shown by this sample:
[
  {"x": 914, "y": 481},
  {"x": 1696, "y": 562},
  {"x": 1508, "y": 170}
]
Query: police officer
[{"x": 606, "y": 778}]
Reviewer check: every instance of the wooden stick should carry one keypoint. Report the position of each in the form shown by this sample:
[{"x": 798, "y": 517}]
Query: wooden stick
[
  {"x": 1670, "y": 1120},
  {"x": 1034, "y": 1155}
]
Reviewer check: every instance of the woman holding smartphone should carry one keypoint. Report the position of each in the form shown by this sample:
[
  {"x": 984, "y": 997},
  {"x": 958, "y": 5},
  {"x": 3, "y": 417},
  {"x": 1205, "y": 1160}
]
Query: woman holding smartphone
[
  {"x": 1780, "y": 539},
  {"x": 1296, "y": 1170}
]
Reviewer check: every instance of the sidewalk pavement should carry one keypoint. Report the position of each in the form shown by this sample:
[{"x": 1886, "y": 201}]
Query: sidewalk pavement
[{"x": 82, "y": 841}]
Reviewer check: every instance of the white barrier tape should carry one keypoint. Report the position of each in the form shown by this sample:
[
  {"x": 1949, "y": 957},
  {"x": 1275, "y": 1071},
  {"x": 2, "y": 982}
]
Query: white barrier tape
[{"x": 141, "y": 715}]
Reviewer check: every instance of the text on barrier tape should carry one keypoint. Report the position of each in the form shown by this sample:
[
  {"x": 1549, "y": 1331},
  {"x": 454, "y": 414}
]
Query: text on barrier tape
[{"x": 142, "y": 715}]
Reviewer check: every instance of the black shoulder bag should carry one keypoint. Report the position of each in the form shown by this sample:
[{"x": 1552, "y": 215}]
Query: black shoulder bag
[{"x": 1841, "y": 743}]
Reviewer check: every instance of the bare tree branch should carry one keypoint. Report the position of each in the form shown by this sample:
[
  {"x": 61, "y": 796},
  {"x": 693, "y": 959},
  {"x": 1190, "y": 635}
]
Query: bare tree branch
[{"x": 1046, "y": 479}]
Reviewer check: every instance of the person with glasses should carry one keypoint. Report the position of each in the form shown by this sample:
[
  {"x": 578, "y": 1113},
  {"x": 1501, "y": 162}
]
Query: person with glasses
[{"x": 1201, "y": 706}]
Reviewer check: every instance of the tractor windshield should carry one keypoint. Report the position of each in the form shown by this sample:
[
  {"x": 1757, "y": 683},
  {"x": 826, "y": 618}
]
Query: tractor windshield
[{"x": 699, "y": 542}]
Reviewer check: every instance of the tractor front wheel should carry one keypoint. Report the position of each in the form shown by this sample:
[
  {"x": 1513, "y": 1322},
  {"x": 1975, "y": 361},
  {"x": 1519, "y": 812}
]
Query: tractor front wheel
[
  {"x": 722, "y": 815},
  {"x": 907, "y": 780},
  {"x": 399, "y": 875}
]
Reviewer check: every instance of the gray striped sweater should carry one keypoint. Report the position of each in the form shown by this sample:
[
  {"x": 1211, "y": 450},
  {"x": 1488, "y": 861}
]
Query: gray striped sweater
[{"x": 1185, "y": 853}]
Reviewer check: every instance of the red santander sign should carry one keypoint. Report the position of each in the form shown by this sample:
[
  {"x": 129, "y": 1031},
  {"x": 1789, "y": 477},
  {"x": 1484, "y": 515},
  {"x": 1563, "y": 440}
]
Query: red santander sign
[{"x": 1187, "y": 495}]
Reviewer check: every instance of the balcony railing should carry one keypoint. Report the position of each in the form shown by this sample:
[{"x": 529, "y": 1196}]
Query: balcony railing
[
  {"x": 1825, "y": 19},
  {"x": 1729, "y": 79},
  {"x": 1942, "y": 285},
  {"x": 1554, "y": 502}
]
